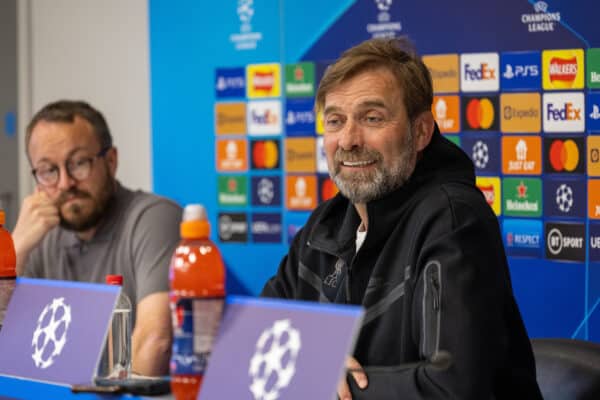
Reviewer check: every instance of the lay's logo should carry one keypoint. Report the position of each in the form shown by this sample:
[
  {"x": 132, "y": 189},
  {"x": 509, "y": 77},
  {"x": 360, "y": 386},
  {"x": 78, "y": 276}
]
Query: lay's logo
[
  {"x": 479, "y": 72},
  {"x": 563, "y": 69},
  {"x": 564, "y": 112},
  {"x": 264, "y": 80}
]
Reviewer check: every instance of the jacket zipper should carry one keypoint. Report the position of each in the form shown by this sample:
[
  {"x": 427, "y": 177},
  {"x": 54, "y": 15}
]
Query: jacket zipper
[{"x": 432, "y": 304}]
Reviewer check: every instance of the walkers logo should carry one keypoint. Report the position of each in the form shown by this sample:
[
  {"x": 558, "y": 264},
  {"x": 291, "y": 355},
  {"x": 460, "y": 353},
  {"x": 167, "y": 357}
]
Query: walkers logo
[
  {"x": 521, "y": 155},
  {"x": 266, "y": 228},
  {"x": 266, "y": 190},
  {"x": 522, "y": 197},
  {"x": 299, "y": 117},
  {"x": 594, "y": 242},
  {"x": 446, "y": 113},
  {"x": 520, "y": 70},
  {"x": 301, "y": 192},
  {"x": 265, "y": 154},
  {"x": 490, "y": 187},
  {"x": 593, "y": 112},
  {"x": 300, "y": 80},
  {"x": 232, "y": 190},
  {"x": 479, "y": 113},
  {"x": 593, "y": 68},
  {"x": 230, "y": 118},
  {"x": 230, "y": 82},
  {"x": 564, "y": 198},
  {"x": 594, "y": 199},
  {"x": 444, "y": 72},
  {"x": 484, "y": 151},
  {"x": 233, "y": 227},
  {"x": 522, "y": 237},
  {"x": 565, "y": 241},
  {"x": 562, "y": 69},
  {"x": 232, "y": 155},
  {"x": 479, "y": 72},
  {"x": 264, "y": 80},
  {"x": 264, "y": 118},
  {"x": 321, "y": 156},
  {"x": 563, "y": 155},
  {"x": 520, "y": 113},
  {"x": 300, "y": 155},
  {"x": 564, "y": 112},
  {"x": 327, "y": 188},
  {"x": 593, "y": 155}
]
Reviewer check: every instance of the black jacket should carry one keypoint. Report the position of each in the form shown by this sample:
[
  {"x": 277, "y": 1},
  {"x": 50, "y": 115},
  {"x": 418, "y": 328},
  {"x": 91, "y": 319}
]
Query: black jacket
[{"x": 432, "y": 276}]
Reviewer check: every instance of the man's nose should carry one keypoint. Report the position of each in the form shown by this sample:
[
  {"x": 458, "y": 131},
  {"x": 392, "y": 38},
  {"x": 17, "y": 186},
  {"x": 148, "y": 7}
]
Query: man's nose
[
  {"x": 65, "y": 181},
  {"x": 351, "y": 136}
]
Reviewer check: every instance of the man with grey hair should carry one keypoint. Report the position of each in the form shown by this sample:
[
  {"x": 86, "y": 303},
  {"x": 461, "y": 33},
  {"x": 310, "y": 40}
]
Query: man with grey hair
[
  {"x": 80, "y": 224},
  {"x": 411, "y": 239}
]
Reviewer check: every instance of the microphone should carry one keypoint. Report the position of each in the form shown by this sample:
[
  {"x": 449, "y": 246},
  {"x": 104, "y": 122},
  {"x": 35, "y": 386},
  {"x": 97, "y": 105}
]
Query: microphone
[{"x": 440, "y": 361}]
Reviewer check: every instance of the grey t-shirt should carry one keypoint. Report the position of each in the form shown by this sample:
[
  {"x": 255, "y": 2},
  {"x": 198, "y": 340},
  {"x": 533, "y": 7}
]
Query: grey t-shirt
[{"x": 135, "y": 239}]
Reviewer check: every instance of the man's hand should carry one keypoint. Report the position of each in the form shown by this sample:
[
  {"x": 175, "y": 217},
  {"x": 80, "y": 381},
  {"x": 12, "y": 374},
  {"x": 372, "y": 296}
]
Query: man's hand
[
  {"x": 357, "y": 373},
  {"x": 37, "y": 216}
]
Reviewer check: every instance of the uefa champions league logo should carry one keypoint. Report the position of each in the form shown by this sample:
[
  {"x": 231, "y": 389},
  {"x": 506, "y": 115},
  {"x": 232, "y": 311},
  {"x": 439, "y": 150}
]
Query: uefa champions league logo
[
  {"x": 50, "y": 335},
  {"x": 245, "y": 13},
  {"x": 383, "y": 6},
  {"x": 480, "y": 154},
  {"x": 273, "y": 364}
]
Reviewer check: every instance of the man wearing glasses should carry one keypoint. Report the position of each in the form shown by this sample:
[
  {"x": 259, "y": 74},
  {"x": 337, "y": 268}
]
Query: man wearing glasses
[{"x": 80, "y": 224}]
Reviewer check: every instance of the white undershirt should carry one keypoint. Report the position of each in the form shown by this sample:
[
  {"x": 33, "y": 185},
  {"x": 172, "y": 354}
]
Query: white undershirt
[{"x": 360, "y": 238}]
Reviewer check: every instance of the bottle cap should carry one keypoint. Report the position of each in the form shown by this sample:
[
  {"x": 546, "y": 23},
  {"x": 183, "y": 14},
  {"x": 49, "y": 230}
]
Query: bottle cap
[
  {"x": 195, "y": 222},
  {"x": 114, "y": 280},
  {"x": 2, "y": 217}
]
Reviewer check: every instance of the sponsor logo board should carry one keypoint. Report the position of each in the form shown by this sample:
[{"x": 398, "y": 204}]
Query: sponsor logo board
[
  {"x": 479, "y": 72},
  {"x": 520, "y": 113},
  {"x": 564, "y": 198},
  {"x": 594, "y": 198},
  {"x": 523, "y": 237},
  {"x": 522, "y": 197},
  {"x": 230, "y": 82},
  {"x": 444, "y": 72},
  {"x": 562, "y": 69},
  {"x": 490, "y": 187},
  {"x": 264, "y": 118},
  {"x": 300, "y": 79},
  {"x": 563, "y": 112},
  {"x": 521, "y": 155},
  {"x": 479, "y": 113},
  {"x": 232, "y": 190},
  {"x": 565, "y": 241},
  {"x": 593, "y": 112},
  {"x": 233, "y": 227},
  {"x": 265, "y": 154},
  {"x": 232, "y": 155},
  {"x": 230, "y": 118},
  {"x": 593, "y": 155},
  {"x": 563, "y": 155},
  {"x": 266, "y": 190},
  {"x": 300, "y": 155},
  {"x": 301, "y": 192},
  {"x": 593, "y": 68},
  {"x": 446, "y": 113},
  {"x": 594, "y": 242},
  {"x": 263, "y": 80},
  {"x": 266, "y": 227},
  {"x": 520, "y": 70},
  {"x": 299, "y": 117}
]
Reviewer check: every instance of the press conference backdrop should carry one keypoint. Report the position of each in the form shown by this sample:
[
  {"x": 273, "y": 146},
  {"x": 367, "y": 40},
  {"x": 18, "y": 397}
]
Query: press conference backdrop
[{"x": 517, "y": 86}]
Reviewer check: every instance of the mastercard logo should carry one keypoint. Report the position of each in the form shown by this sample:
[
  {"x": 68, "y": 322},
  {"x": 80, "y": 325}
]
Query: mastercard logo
[
  {"x": 265, "y": 154},
  {"x": 479, "y": 113},
  {"x": 564, "y": 155}
]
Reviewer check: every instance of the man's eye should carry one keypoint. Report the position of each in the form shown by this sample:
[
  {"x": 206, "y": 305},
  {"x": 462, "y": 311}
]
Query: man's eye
[
  {"x": 333, "y": 122},
  {"x": 47, "y": 171},
  {"x": 373, "y": 119}
]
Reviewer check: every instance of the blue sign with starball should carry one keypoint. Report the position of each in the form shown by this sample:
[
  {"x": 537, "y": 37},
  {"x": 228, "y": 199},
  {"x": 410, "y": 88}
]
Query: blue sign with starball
[
  {"x": 266, "y": 190},
  {"x": 300, "y": 117},
  {"x": 520, "y": 70},
  {"x": 565, "y": 198},
  {"x": 230, "y": 82},
  {"x": 484, "y": 151},
  {"x": 266, "y": 228},
  {"x": 523, "y": 237},
  {"x": 593, "y": 112}
]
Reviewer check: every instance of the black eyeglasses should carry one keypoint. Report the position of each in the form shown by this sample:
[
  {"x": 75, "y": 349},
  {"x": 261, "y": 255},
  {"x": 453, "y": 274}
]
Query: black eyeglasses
[{"x": 78, "y": 169}]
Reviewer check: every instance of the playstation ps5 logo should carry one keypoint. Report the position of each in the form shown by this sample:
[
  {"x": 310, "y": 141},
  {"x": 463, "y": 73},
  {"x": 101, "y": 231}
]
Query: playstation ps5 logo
[{"x": 595, "y": 114}]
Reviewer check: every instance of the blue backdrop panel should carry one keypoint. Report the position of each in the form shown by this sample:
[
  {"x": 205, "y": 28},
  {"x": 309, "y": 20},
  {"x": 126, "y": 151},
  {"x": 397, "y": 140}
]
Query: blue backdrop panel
[{"x": 189, "y": 40}]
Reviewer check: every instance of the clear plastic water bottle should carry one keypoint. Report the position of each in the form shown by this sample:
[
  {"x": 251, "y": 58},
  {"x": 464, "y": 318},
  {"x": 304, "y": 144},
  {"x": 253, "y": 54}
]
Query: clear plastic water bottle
[
  {"x": 8, "y": 263},
  {"x": 197, "y": 278},
  {"x": 116, "y": 357}
]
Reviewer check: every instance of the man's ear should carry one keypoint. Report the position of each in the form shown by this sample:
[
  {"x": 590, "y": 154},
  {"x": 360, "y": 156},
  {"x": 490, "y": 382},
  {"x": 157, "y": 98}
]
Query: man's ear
[
  {"x": 424, "y": 127},
  {"x": 112, "y": 159}
]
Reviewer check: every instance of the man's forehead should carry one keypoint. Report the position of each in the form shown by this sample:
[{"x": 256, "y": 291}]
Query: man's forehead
[{"x": 63, "y": 136}]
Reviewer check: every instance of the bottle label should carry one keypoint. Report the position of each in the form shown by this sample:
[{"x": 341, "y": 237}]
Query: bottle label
[{"x": 196, "y": 324}]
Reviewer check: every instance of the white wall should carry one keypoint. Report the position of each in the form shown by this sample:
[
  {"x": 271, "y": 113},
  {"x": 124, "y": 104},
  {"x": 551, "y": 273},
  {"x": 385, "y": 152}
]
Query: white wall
[{"x": 97, "y": 51}]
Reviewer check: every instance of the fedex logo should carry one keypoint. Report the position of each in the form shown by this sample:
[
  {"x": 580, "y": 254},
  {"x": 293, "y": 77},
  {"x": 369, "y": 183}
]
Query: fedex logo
[
  {"x": 479, "y": 72},
  {"x": 482, "y": 72},
  {"x": 564, "y": 112},
  {"x": 264, "y": 117}
]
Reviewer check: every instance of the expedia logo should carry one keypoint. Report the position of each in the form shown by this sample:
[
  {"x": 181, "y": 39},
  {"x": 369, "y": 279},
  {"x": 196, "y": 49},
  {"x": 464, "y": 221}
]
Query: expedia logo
[
  {"x": 565, "y": 241},
  {"x": 563, "y": 112},
  {"x": 563, "y": 155},
  {"x": 479, "y": 113},
  {"x": 444, "y": 71},
  {"x": 479, "y": 72},
  {"x": 510, "y": 113},
  {"x": 520, "y": 113},
  {"x": 300, "y": 155},
  {"x": 593, "y": 155}
]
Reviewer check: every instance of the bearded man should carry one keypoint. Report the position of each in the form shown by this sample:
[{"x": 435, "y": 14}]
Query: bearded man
[
  {"x": 80, "y": 224},
  {"x": 411, "y": 239}
]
